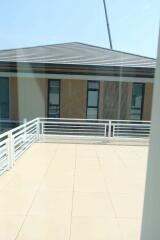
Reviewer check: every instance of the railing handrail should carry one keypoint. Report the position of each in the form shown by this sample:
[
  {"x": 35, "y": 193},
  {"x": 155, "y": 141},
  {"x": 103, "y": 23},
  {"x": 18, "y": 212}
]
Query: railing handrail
[
  {"x": 96, "y": 120},
  {"x": 75, "y": 123}
]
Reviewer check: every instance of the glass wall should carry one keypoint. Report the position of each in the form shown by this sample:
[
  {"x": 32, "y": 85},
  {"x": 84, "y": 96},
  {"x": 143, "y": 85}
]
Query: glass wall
[
  {"x": 4, "y": 98},
  {"x": 93, "y": 99},
  {"x": 137, "y": 101},
  {"x": 54, "y": 98}
]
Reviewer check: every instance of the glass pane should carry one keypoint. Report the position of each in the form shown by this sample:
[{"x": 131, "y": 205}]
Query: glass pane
[
  {"x": 54, "y": 97},
  {"x": 137, "y": 98},
  {"x": 4, "y": 110},
  {"x": 4, "y": 98},
  {"x": 92, "y": 98},
  {"x": 137, "y": 95},
  {"x": 53, "y": 111},
  {"x": 54, "y": 89},
  {"x": 92, "y": 113},
  {"x": 54, "y": 83},
  {"x": 93, "y": 84},
  {"x": 4, "y": 90},
  {"x": 135, "y": 114}
]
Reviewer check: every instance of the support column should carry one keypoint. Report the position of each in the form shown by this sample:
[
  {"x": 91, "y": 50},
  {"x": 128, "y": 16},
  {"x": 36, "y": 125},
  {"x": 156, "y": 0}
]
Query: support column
[{"x": 151, "y": 214}]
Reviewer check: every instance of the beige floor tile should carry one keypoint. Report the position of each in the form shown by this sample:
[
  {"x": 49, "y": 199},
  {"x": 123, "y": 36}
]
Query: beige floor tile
[
  {"x": 121, "y": 184},
  {"x": 86, "y": 165},
  {"x": 43, "y": 227},
  {"x": 91, "y": 228},
  {"x": 130, "y": 228},
  {"x": 10, "y": 226},
  {"x": 62, "y": 166},
  {"x": 51, "y": 202},
  {"x": 16, "y": 201},
  {"x": 5, "y": 178},
  {"x": 108, "y": 182},
  {"x": 128, "y": 205},
  {"x": 20, "y": 180},
  {"x": 89, "y": 183},
  {"x": 92, "y": 204},
  {"x": 58, "y": 181}
]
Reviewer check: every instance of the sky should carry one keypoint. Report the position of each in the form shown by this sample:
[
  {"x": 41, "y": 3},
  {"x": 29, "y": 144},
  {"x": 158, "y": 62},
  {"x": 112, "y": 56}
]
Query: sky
[{"x": 134, "y": 23}]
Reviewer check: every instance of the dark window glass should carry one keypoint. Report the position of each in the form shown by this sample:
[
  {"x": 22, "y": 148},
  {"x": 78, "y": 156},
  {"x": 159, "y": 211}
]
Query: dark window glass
[
  {"x": 137, "y": 101},
  {"x": 54, "y": 98},
  {"x": 93, "y": 99},
  {"x": 4, "y": 98}
]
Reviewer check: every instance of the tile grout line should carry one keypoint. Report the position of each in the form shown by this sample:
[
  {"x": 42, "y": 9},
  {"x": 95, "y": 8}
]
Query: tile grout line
[
  {"x": 34, "y": 197},
  {"x": 73, "y": 194}
]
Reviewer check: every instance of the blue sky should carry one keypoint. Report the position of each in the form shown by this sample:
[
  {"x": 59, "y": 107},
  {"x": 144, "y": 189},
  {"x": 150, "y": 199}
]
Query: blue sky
[{"x": 134, "y": 23}]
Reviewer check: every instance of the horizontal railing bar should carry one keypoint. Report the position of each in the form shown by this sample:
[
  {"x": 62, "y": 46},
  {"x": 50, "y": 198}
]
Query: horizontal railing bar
[
  {"x": 4, "y": 142},
  {"x": 23, "y": 130},
  {"x": 3, "y": 156},
  {"x": 93, "y": 133},
  {"x": 74, "y": 136},
  {"x": 103, "y": 120},
  {"x": 73, "y": 126},
  {"x": 75, "y": 123},
  {"x": 131, "y": 130},
  {"x": 3, "y": 150},
  {"x": 24, "y": 149},
  {"x": 23, "y": 125},
  {"x": 82, "y": 129},
  {"x": 140, "y": 134},
  {"x": 131, "y": 124},
  {"x": 3, "y": 160},
  {"x": 21, "y": 146}
]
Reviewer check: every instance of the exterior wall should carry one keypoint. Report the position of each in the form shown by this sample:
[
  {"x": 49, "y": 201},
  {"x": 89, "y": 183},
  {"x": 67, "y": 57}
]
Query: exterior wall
[
  {"x": 129, "y": 101},
  {"x": 13, "y": 99},
  {"x": 32, "y": 98},
  {"x": 116, "y": 100},
  {"x": 101, "y": 100},
  {"x": 73, "y": 99},
  {"x": 29, "y": 99},
  {"x": 147, "y": 106}
]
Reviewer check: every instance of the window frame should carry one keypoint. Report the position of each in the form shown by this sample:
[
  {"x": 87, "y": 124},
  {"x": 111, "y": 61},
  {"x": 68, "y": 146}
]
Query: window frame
[
  {"x": 57, "y": 105},
  {"x": 94, "y": 90},
  {"x": 8, "y": 85},
  {"x": 142, "y": 101}
]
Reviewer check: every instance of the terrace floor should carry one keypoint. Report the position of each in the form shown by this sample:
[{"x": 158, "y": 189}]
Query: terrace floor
[{"x": 74, "y": 192}]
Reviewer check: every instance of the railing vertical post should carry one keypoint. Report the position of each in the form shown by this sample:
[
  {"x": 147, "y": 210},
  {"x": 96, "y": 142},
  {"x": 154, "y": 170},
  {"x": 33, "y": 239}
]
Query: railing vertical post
[
  {"x": 105, "y": 130},
  {"x": 10, "y": 150},
  {"x": 25, "y": 134},
  {"x": 38, "y": 128},
  {"x": 113, "y": 130},
  {"x": 109, "y": 128},
  {"x": 42, "y": 127}
]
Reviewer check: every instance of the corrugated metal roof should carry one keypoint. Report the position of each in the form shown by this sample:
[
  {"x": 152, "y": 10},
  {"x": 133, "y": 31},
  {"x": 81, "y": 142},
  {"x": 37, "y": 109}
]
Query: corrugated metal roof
[{"x": 77, "y": 54}]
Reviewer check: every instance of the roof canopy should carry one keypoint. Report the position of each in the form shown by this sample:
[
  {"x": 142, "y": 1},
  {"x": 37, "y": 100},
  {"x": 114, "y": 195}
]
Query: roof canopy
[{"x": 75, "y": 54}]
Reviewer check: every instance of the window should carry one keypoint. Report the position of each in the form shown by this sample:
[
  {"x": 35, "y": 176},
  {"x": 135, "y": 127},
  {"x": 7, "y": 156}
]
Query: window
[
  {"x": 92, "y": 100},
  {"x": 137, "y": 101},
  {"x": 54, "y": 98},
  {"x": 4, "y": 98}
]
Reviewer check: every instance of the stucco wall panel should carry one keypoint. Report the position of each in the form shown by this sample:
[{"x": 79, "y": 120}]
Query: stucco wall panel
[
  {"x": 32, "y": 95},
  {"x": 73, "y": 99}
]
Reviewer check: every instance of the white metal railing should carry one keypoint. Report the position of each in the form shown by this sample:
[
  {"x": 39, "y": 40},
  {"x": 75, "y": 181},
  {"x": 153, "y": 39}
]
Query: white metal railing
[
  {"x": 131, "y": 130},
  {"x": 14, "y": 142},
  {"x": 95, "y": 128}
]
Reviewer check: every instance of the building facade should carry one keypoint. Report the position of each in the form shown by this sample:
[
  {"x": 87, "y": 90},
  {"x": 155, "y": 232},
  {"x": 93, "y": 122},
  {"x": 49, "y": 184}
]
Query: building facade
[{"x": 105, "y": 89}]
